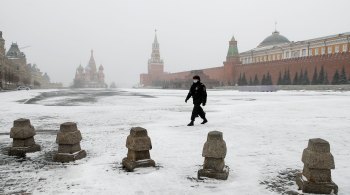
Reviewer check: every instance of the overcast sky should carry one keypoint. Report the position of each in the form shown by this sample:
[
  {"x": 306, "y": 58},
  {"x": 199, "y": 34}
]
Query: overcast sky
[{"x": 193, "y": 34}]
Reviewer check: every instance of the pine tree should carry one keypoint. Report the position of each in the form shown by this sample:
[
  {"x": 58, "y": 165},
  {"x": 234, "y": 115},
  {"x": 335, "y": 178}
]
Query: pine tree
[
  {"x": 335, "y": 80},
  {"x": 244, "y": 80},
  {"x": 342, "y": 78},
  {"x": 250, "y": 81},
  {"x": 296, "y": 79},
  {"x": 263, "y": 80},
  {"x": 321, "y": 76},
  {"x": 301, "y": 77},
  {"x": 279, "y": 82},
  {"x": 288, "y": 80},
  {"x": 268, "y": 79},
  {"x": 314, "y": 80},
  {"x": 306, "y": 80},
  {"x": 240, "y": 79},
  {"x": 284, "y": 79},
  {"x": 326, "y": 82},
  {"x": 256, "y": 80}
]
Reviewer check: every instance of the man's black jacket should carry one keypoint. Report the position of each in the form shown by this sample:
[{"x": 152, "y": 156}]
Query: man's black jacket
[{"x": 198, "y": 93}]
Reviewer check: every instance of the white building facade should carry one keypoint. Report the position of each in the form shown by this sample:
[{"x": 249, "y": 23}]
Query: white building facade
[{"x": 278, "y": 47}]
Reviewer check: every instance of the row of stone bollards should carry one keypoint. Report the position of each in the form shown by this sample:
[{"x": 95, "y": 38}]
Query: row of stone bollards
[
  {"x": 315, "y": 177},
  {"x": 138, "y": 144},
  {"x": 68, "y": 140}
]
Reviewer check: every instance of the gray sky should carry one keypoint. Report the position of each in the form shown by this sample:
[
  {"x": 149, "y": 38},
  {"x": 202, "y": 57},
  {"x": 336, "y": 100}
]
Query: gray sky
[{"x": 193, "y": 34}]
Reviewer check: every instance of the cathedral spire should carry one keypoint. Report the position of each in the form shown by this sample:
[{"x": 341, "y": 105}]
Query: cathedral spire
[{"x": 92, "y": 63}]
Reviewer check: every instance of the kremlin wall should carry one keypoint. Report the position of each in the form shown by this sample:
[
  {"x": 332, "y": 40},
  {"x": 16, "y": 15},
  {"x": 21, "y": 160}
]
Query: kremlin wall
[{"x": 275, "y": 61}]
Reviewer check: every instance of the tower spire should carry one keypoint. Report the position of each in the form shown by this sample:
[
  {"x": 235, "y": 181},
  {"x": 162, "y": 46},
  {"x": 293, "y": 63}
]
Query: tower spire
[
  {"x": 155, "y": 56},
  {"x": 155, "y": 37},
  {"x": 275, "y": 26}
]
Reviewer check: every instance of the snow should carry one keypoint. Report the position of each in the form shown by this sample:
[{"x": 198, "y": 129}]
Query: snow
[{"x": 265, "y": 135}]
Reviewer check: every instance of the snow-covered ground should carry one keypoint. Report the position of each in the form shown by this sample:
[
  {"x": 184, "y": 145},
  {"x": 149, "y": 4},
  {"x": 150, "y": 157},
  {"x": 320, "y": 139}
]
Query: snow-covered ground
[{"x": 265, "y": 135}]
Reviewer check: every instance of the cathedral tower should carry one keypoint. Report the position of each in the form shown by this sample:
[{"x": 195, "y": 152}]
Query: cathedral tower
[{"x": 92, "y": 63}]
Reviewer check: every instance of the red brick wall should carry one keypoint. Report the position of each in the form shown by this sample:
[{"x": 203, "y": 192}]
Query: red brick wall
[
  {"x": 229, "y": 73},
  {"x": 330, "y": 63},
  {"x": 216, "y": 73},
  {"x": 144, "y": 80},
  {"x": 175, "y": 76}
]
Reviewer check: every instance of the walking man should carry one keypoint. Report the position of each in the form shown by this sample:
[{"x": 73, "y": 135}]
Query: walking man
[{"x": 199, "y": 94}]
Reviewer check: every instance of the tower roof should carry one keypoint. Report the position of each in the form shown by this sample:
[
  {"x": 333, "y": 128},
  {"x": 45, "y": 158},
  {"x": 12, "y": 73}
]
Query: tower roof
[
  {"x": 80, "y": 68},
  {"x": 14, "y": 52},
  {"x": 232, "y": 50},
  {"x": 46, "y": 76},
  {"x": 233, "y": 38}
]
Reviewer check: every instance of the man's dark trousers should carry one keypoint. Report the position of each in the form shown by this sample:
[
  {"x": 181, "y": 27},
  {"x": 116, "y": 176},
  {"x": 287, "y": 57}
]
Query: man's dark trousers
[{"x": 197, "y": 110}]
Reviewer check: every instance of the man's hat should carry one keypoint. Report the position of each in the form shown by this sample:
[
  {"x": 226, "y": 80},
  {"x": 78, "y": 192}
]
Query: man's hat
[{"x": 197, "y": 77}]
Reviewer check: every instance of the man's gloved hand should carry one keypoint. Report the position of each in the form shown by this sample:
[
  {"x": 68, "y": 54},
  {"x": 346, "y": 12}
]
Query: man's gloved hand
[
  {"x": 186, "y": 100},
  {"x": 203, "y": 104}
]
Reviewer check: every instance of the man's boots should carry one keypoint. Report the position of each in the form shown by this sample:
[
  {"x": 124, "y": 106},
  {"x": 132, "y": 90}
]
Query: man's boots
[
  {"x": 191, "y": 123},
  {"x": 204, "y": 121}
]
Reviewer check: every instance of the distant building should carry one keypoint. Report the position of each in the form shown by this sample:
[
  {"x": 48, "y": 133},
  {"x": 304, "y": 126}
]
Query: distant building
[
  {"x": 8, "y": 72},
  {"x": 90, "y": 77},
  {"x": 155, "y": 66},
  {"x": 19, "y": 60},
  {"x": 278, "y": 47},
  {"x": 276, "y": 60},
  {"x": 14, "y": 70}
]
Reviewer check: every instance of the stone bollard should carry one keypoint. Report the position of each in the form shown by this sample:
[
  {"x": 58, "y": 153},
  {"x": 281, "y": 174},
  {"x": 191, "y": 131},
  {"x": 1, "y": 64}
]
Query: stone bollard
[
  {"x": 138, "y": 144},
  {"x": 316, "y": 175},
  {"x": 214, "y": 152},
  {"x": 22, "y": 133},
  {"x": 68, "y": 140}
]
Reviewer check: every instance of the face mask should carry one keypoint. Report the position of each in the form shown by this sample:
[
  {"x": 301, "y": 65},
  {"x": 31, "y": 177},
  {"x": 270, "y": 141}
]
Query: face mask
[{"x": 195, "y": 81}]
